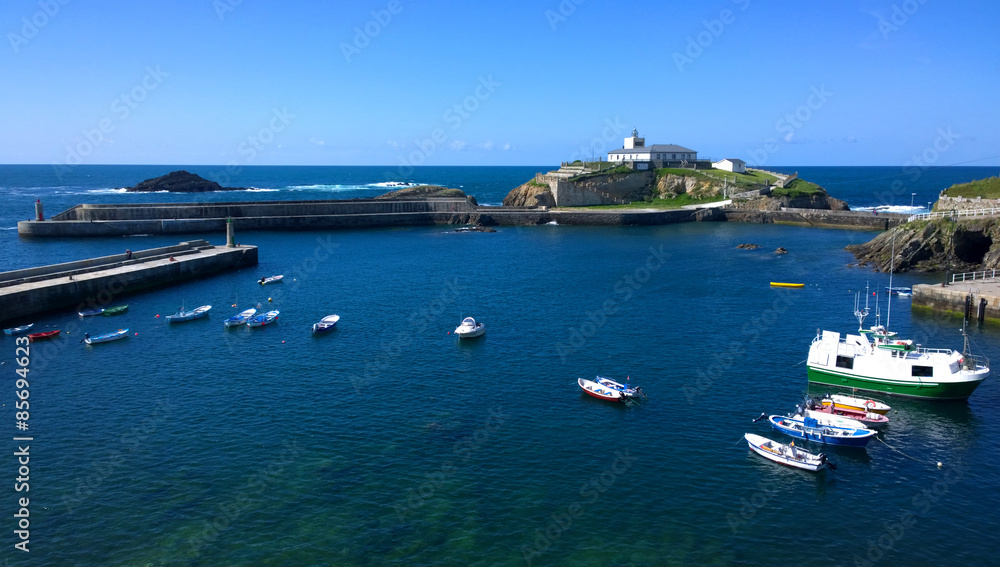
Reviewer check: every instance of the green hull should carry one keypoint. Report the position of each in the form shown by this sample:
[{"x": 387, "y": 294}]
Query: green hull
[{"x": 938, "y": 391}]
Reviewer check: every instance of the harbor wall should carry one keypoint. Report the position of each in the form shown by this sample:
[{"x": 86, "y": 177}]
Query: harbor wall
[
  {"x": 951, "y": 298},
  {"x": 56, "y": 288},
  {"x": 202, "y": 218}
]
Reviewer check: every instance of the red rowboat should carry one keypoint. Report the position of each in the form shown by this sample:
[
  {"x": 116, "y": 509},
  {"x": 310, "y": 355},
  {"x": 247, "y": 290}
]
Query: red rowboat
[{"x": 40, "y": 336}]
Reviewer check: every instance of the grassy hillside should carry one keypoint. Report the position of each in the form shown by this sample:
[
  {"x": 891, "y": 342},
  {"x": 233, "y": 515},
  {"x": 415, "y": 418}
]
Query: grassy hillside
[{"x": 988, "y": 188}]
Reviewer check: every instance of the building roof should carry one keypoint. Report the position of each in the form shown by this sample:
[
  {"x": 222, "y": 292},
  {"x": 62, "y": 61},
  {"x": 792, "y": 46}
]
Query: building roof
[
  {"x": 664, "y": 148},
  {"x": 732, "y": 160}
]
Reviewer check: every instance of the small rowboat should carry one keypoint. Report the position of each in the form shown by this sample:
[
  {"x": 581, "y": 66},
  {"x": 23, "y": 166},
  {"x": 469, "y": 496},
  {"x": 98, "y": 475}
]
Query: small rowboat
[
  {"x": 270, "y": 279},
  {"x": 809, "y": 429},
  {"x": 107, "y": 337},
  {"x": 844, "y": 402},
  {"x": 263, "y": 319},
  {"x": 786, "y": 454},
  {"x": 18, "y": 330},
  {"x": 40, "y": 336},
  {"x": 869, "y": 419},
  {"x": 90, "y": 312},
  {"x": 607, "y": 389},
  {"x": 780, "y": 284},
  {"x": 182, "y": 315},
  {"x": 325, "y": 324},
  {"x": 240, "y": 318},
  {"x": 117, "y": 310}
]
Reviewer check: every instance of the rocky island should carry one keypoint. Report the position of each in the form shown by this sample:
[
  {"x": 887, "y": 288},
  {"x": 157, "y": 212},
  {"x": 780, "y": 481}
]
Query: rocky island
[
  {"x": 180, "y": 182},
  {"x": 427, "y": 191}
]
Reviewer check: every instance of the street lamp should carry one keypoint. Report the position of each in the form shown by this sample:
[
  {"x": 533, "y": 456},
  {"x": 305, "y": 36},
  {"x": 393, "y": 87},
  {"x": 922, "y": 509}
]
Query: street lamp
[
  {"x": 928, "y": 206},
  {"x": 912, "y": 196}
]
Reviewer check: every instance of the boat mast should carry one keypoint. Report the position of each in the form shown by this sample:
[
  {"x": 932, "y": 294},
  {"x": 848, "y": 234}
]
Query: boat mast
[{"x": 892, "y": 263}]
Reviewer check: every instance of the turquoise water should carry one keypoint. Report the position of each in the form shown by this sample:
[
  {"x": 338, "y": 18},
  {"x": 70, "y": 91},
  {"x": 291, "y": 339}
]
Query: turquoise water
[{"x": 387, "y": 441}]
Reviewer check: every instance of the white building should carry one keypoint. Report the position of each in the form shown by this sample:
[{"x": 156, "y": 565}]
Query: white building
[
  {"x": 659, "y": 155},
  {"x": 731, "y": 164}
]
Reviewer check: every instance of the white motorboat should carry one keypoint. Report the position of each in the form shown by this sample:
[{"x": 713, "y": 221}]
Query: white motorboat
[
  {"x": 786, "y": 454},
  {"x": 470, "y": 329}
]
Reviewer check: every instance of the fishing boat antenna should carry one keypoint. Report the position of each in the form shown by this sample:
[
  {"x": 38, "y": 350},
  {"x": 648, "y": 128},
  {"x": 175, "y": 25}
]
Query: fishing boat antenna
[{"x": 858, "y": 312}]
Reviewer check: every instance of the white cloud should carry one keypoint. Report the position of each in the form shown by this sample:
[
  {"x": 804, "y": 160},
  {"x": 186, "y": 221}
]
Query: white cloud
[
  {"x": 487, "y": 145},
  {"x": 317, "y": 141},
  {"x": 457, "y": 145}
]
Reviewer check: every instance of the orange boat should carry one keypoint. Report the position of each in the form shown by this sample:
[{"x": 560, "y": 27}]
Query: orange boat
[{"x": 39, "y": 336}]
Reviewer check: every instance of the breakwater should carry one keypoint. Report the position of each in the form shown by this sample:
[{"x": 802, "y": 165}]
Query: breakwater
[
  {"x": 201, "y": 218},
  {"x": 97, "y": 282},
  {"x": 951, "y": 298}
]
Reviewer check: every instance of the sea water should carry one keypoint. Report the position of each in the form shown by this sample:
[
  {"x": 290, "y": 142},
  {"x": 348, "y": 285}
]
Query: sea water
[{"x": 390, "y": 441}]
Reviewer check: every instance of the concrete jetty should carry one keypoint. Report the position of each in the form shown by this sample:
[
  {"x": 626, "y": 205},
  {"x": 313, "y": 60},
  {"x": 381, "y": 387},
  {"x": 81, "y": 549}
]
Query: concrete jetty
[
  {"x": 950, "y": 298},
  {"x": 202, "y": 218},
  {"x": 99, "y": 282}
]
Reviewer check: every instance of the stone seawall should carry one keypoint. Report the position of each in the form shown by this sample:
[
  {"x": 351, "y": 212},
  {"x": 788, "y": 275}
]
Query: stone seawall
[
  {"x": 951, "y": 298},
  {"x": 819, "y": 218},
  {"x": 100, "y": 282}
]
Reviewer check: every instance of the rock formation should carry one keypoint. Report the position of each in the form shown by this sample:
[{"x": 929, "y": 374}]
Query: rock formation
[
  {"x": 931, "y": 246},
  {"x": 425, "y": 191},
  {"x": 530, "y": 194},
  {"x": 181, "y": 182}
]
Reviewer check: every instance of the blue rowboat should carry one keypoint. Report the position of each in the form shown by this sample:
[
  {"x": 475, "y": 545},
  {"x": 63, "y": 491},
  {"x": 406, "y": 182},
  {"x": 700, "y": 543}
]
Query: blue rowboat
[
  {"x": 107, "y": 337},
  {"x": 811, "y": 430},
  {"x": 240, "y": 318},
  {"x": 183, "y": 315},
  {"x": 90, "y": 312},
  {"x": 19, "y": 330},
  {"x": 263, "y": 319}
]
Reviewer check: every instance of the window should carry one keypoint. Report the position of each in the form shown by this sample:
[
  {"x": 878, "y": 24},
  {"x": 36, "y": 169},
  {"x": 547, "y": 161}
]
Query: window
[
  {"x": 846, "y": 362},
  {"x": 923, "y": 371}
]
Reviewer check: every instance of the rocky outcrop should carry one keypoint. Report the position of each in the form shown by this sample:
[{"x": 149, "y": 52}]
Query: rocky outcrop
[
  {"x": 180, "y": 182},
  {"x": 933, "y": 246},
  {"x": 425, "y": 191},
  {"x": 530, "y": 194}
]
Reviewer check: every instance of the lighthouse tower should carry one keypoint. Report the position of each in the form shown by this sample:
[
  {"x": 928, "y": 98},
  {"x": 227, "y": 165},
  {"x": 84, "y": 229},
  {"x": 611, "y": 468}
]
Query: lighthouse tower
[{"x": 634, "y": 141}]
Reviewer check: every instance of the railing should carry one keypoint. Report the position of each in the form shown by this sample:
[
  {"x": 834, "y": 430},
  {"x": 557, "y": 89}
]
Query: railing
[
  {"x": 955, "y": 214},
  {"x": 973, "y": 276}
]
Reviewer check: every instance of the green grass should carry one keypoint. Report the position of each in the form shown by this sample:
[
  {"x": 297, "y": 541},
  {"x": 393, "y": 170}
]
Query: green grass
[
  {"x": 797, "y": 188},
  {"x": 749, "y": 178},
  {"x": 534, "y": 183},
  {"x": 988, "y": 188}
]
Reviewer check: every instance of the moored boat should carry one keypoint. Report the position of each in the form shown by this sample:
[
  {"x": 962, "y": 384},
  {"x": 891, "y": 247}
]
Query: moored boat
[
  {"x": 116, "y": 310},
  {"x": 855, "y": 404},
  {"x": 19, "y": 330},
  {"x": 90, "y": 312},
  {"x": 263, "y": 319},
  {"x": 183, "y": 315},
  {"x": 786, "y": 454},
  {"x": 270, "y": 279},
  {"x": 809, "y": 429},
  {"x": 325, "y": 324},
  {"x": 240, "y": 318},
  {"x": 782, "y": 284},
  {"x": 828, "y": 418},
  {"x": 106, "y": 338},
  {"x": 604, "y": 388},
  {"x": 870, "y": 419},
  {"x": 470, "y": 329},
  {"x": 44, "y": 335}
]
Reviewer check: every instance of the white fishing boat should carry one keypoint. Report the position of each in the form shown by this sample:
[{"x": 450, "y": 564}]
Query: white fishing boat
[
  {"x": 827, "y": 418},
  {"x": 264, "y": 280},
  {"x": 604, "y": 388},
  {"x": 263, "y": 319},
  {"x": 183, "y": 315},
  {"x": 470, "y": 329},
  {"x": 240, "y": 318},
  {"x": 325, "y": 324},
  {"x": 786, "y": 454}
]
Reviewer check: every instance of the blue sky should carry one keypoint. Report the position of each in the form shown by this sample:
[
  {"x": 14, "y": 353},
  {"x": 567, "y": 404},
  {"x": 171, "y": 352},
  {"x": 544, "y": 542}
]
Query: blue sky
[{"x": 247, "y": 82}]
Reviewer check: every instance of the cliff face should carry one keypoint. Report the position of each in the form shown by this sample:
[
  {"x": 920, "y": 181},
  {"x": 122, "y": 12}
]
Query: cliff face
[{"x": 933, "y": 246}]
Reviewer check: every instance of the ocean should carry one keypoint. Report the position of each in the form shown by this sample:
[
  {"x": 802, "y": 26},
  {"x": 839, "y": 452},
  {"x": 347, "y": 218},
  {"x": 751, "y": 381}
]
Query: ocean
[{"x": 388, "y": 441}]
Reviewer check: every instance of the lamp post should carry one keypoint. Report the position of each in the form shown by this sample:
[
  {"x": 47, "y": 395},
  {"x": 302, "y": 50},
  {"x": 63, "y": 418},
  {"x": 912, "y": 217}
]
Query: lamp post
[
  {"x": 912, "y": 197},
  {"x": 928, "y": 206}
]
